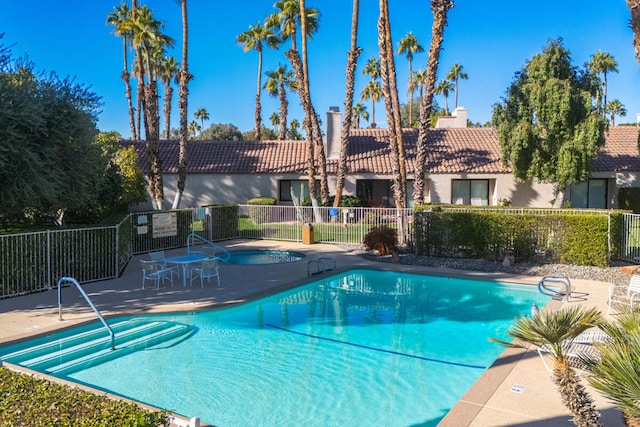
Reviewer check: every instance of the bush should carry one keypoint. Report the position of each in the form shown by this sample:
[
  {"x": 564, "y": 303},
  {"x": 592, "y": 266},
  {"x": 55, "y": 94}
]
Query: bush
[
  {"x": 29, "y": 401},
  {"x": 258, "y": 214},
  {"x": 345, "y": 202},
  {"x": 383, "y": 239}
]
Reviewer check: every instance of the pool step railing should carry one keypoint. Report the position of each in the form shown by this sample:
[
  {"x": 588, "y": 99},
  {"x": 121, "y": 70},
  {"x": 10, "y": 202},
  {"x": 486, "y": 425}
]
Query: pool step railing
[
  {"x": 322, "y": 265},
  {"x": 78, "y": 351},
  {"x": 207, "y": 248},
  {"x": 555, "y": 292}
]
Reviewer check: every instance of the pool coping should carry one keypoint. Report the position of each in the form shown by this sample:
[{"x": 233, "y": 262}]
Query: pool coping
[{"x": 489, "y": 397}]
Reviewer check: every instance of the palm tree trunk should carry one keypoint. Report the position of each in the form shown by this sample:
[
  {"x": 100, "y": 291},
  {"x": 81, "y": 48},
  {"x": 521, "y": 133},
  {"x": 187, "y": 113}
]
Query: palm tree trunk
[
  {"x": 575, "y": 397},
  {"x": 284, "y": 110},
  {"x": 352, "y": 63},
  {"x": 439, "y": 8},
  {"x": 168, "y": 94},
  {"x": 634, "y": 8},
  {"x": 127, "y": 85},
  {"x": 151, "y": 124},
  {"x": 410, "y": 95},
  {"x": 183, "y": 103},
  {"x": 258, "y": 112}
]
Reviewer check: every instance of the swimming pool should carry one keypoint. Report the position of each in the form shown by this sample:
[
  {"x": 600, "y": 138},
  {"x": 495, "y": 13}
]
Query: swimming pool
[{"x": 365, "y": 347}]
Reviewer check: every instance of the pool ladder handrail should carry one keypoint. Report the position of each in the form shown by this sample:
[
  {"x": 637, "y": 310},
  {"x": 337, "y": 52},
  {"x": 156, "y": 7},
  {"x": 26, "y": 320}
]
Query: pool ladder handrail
[
  {"x": 559, "y": 279},
  {"x": 93, "y": 307},
  {"x": 226, "y": 255},
  {"x": 321, "y": 262}
]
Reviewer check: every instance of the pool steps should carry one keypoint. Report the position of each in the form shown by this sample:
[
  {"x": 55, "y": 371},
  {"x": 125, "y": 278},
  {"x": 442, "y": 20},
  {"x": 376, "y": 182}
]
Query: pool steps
[{"x": 90, "y": 348}]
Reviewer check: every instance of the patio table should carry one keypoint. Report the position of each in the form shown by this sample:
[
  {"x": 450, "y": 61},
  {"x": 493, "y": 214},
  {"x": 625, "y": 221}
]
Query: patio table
[{"x": 184, "y": 260}]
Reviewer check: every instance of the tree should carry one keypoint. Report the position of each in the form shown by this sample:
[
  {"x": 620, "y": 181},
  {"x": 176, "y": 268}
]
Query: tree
[
  {"x": 602, "y": 63},
  {"x": 372, "y": 91},
  {"x": 194, "y": 128},
  {"x": 554, "y": 329},
  {"x": 279, "y": 81},
  {"x": 615, "y": 108},
  {"x": 455, "y": 74},
  {"x": 419, "y": 80},
  {"x": 409, "y": 45},
  {"x": 222, "y": 132},
  {"x": 120, "y": 18},
  {"x": 169, "y": 69},
  {"x": 201, "y": 114},
  {"x": 546, "y": 124},
  {"x": 275, "y": 120},
  {"x": 293, "y": 132},
  {"x": 439, "y": 9},
  {"x": 287, "y": 17},
  {"x": 359, "y": 111},
  {"x": 254, "y": 39},
  {"x": 634, "y": 22},
  {"x": 444, "y": 88}
]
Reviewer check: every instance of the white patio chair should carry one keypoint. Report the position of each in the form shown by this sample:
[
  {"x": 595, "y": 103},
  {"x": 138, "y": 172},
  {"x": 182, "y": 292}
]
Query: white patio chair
[
  {"x": 627, "y": 298},
  {"x": 154, "y": 271},
  {"x": 206, "y": 269},
  {"x": 159, "y": 257},
  {"x": 577, "y": 349}
]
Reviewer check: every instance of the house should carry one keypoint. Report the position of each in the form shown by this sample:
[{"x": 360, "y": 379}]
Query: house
[{"x": 463, "y": 167}]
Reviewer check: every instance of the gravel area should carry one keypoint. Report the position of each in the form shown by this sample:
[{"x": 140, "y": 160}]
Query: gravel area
[{"x": 610, "y": 274}]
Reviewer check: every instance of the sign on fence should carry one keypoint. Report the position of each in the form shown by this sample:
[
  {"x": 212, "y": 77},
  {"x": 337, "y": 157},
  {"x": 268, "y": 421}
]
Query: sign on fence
[{"x": 165, "y": 224}]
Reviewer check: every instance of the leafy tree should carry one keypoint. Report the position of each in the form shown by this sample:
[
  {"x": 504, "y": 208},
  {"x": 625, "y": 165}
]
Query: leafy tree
[
  {"x": 454, "y": 75},
  {"x": 615, "y": 108},
  {"x": 409, "y": 45},
  {"x": 553, "y": 329},
  {"x": 547, "y": 126},
  {"x": 267, "y": 134},
  {"x": 222, "y": 132}
]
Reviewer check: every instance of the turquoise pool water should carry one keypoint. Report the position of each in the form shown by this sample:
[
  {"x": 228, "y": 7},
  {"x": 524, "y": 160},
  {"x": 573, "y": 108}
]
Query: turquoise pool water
[
  {"x": 361, "y": 348},
  {"x": 263, "y": 257}
]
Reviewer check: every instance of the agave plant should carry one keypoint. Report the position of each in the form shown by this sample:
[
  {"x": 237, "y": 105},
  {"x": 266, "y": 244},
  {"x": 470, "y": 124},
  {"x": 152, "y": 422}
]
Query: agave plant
[{"x": 554, "y": 329}]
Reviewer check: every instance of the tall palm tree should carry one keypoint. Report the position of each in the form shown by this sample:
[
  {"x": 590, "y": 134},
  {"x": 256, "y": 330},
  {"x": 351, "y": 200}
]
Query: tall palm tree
[
  {"x": 287, "y": 17},
  {"x": 615, "y": 372},
  {"x": 185, "y": 77},
  {"x": 275, "y": 120},
  {"x": 254, "y": 39},
  {"x": 293, "y": 133},
  {"x": 359, "y": 111},
  {"x": 169, "y": 69},
  {"x": 201, "y": 114},
  {"x": 615, "y": 108},
  {"x": 279, "y": 81},
  {"x": 120, "y": 18},
  {"x": 372, "y": 91},
  {"x": 419, "y": 79},
  {"x": 456, "y": 74},
  {"x": 554, "y": 329},
  {"x": 602, "y": 63},
  {"x": 409, "y": 45},
  {"x": 193, "y": 128},
  {"x": 439, "y": 9},
  {"x": 372, "y": 68},
  {"x": 352, "y": 63},
  {"x": 634, "y": 8},
  {"x": 444, "y": 88}
]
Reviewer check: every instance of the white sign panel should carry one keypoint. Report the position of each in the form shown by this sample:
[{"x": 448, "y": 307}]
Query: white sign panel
[{"x": 165, "y": 224}]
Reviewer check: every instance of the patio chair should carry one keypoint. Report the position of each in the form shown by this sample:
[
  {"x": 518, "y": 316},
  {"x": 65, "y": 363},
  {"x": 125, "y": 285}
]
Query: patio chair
[
  {"x": 206, "y": 269},
  {"x": 159, "y": 257},
  {"x": 154, "y": 271},
  {"x": 625, "y": 298},
  {"x": 577, "y": 349}
]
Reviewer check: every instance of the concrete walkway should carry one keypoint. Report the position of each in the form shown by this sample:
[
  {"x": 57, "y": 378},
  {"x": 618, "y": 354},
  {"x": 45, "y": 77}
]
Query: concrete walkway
[{"x": 516, "y": 391}]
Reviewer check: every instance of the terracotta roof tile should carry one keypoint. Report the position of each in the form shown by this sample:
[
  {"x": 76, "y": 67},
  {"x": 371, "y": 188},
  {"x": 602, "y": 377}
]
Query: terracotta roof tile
[{"x": 467, "y": 150}]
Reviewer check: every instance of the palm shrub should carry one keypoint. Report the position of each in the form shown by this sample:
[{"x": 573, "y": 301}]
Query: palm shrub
[
  {"x": 616, "y": 372},
  {"x": 554, "y": 329}
]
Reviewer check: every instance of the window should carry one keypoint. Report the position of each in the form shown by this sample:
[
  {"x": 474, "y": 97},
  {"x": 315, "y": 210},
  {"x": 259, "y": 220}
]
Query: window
[
  {"x": 470, "y": 192},
  {"x": 589, "y": 194},
  {"x": 297, "y": 185}
]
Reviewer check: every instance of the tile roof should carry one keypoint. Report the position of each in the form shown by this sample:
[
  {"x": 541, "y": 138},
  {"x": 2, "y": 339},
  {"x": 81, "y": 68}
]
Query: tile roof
[{"x": 465, "y": 150}]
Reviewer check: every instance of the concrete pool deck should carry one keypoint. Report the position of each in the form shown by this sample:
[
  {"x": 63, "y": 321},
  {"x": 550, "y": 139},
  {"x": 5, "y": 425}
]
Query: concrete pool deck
[{"x": 516, "y": 391}]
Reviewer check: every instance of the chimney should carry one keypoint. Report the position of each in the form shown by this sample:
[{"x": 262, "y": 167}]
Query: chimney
[
  {"x": 334, "y": 132},
  {"x": 457, "y": 119}
]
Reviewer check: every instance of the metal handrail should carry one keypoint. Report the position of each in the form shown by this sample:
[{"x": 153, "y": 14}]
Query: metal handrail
[
  {"x": 93, "y": 307},
  {"x": 562, "y": 280},
  {"x": 223, "y": 258}
]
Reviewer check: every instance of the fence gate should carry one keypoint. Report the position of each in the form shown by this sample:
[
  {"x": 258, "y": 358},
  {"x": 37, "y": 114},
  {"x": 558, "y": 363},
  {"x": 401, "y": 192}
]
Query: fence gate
[{"x": 631, "y": 238}]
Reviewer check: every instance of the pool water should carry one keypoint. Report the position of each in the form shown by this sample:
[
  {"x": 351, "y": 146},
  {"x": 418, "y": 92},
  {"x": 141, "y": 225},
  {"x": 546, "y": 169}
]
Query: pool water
[
  {"x": 361, "y": 348},
  {"x": 263, "y": 257}
]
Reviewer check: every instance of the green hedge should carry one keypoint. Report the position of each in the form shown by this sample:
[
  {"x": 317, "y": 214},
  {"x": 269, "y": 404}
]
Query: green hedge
[
  {"x": 225, "y": 221},
  {"x": 570, "y": 238}
]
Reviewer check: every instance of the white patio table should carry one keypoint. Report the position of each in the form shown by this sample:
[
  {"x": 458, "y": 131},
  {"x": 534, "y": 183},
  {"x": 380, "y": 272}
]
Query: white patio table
[{"x": 184, "y": 260}]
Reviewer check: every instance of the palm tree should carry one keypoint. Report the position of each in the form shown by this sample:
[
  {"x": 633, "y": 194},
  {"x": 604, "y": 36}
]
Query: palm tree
[
  {"x": 372, "y": 91},
  {"x": 287, "y": 17},
  {"x": 185, "y": 77},
  {"x": 615, "y": 108},
  {"x": 352, "y": 63},
  {"x": 254, "y": 39},
  {"x": 359, "y": 111},
  {"x": 455, "y": 74},
  {"x": 439, "y": 9},
  {"x": 279, "y": 81},
  {"x": 169, "y": 69},
  {"x": 193, "y": 128},
  {"x": 634, "y": 22},
  {"x": 372, "y": 68},
  {"x": 293, "y": 133},
  {"x": 445, "y": 87},
  {"x": 275, "y": 119},
  {"x": 603, "y": 62},
  {"x": 615, "y": 372},
  {"x": 201, "y": 114},
  {"x": 409, "y": 45},
  {"x": 555, "y": 329},
  {"x": 120, "y": 18},
  {"x": 419, "y": 79}
]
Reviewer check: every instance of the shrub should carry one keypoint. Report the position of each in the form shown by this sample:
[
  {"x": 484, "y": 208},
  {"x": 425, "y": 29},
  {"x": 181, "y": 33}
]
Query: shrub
[
  {"x": 258, "y": 214},
  {"x": 383, "y": 239}
]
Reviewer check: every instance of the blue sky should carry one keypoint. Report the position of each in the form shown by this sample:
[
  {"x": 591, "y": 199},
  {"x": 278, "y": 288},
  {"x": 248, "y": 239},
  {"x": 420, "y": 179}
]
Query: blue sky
[{"x": 492, "y": 39}]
